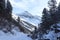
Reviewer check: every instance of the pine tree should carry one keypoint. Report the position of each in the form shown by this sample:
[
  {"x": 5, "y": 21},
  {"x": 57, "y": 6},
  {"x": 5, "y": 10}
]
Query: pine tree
[
  {"x": 46, "y": 20},
  {"x": 53, "y": 9},
  {"x": 7, "y": 9},
  {"x": 1, "y": 7},
  {"x": 49, "y": 18},
  {"x": 52, "y": 4},
  {"x": 18, "y": 19},
  {"x": 58, "y": 13},
  {"x": 45, "y": 25},
  {"x": 34, "y": 34},
  {"x": 5, "y": 14},
  {"x": 59, "y": 7}
]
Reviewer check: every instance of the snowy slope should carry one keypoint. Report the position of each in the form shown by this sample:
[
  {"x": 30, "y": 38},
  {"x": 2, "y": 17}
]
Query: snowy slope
[
  {"x": 26, "y": 16},
  {"x": 23, "y": 24},
  {"x": 31, "y": 20},
  {"x": 14, "y": 34},
  {"x": 51, "y": 34},
  {"x": 17, "y": 36}
]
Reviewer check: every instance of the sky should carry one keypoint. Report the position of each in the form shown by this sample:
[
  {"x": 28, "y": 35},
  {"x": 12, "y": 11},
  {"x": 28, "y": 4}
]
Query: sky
[{"x": 35, "y": 7}]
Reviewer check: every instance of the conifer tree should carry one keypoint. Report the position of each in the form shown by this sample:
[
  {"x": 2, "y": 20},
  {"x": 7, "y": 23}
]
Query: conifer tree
[
  {"x": 53, "y": 9},
  {"x": 46, "y": 20},
  {"x": 58, "y": 13},
  {"x": 44, "y": 26}
]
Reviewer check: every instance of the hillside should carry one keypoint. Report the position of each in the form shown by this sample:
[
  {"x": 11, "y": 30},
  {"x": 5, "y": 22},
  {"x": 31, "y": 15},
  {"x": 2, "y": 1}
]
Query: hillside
[{"x": 28, "y": 17}]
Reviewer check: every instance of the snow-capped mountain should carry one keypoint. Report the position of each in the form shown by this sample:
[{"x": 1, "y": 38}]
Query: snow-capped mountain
[
  {"x": 25, "y": 14},
  {"x": 33, "y": 19}
]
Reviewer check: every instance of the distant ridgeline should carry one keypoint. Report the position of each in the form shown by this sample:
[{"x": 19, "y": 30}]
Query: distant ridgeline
[{"x": 5, "y": 9}]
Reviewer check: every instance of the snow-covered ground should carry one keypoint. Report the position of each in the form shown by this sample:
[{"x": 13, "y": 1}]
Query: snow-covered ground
[
  {"x": 16, "y": 36},
  {"x": 52, "y": 35}
]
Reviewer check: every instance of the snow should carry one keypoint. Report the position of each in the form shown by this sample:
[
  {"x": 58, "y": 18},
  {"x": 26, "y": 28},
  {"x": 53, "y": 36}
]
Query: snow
[
  {"x": 28, "y": 17},
  {"x": 51, "y": 35},
  {"x": 14, "y": 17},
  {"x": 28, "y": 27},
  {"x": 25, "y": 14},
  {"x": 58, "y": 34},
  {"x": 16, "y": 36},
  {"x": 32, "y": 21}
]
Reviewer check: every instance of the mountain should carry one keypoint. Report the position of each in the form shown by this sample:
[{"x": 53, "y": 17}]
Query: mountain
[
  {"x": 26, "y": 26},
  {"x": 5, "y": 33},
  {"x": 23, "y": 26},
  {"x": 28, "y": 17},
  {"x": 25, "y": 14},
  {"x": 11, "y": 30}
]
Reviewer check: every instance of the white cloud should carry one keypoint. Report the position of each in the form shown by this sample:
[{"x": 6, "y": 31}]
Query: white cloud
[
  {"x": 33, "y": 6},
  {"x": 24, "y": 4}
]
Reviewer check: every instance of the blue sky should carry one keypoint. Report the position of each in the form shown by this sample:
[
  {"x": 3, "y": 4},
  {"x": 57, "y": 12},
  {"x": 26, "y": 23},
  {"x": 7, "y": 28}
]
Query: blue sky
[{"x": 34, "y": 7}]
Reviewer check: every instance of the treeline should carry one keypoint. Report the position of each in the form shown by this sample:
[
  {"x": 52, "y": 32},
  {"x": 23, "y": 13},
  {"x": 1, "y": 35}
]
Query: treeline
[
  {"x": 49, "y": 17},
  {"x": 5, "y": 9},
  {"x": 6, "y": 20},
  {"x": 5, "y": 16}
]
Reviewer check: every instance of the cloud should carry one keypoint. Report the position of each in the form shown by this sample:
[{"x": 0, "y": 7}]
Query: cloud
[
  {"x": 24, "y": 4},
  {"x": 35, "y": 7}
]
